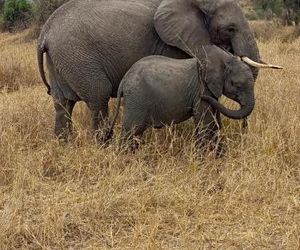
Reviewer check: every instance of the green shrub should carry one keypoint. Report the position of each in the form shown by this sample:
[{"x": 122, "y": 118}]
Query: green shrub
[
  {"x": 42, "y": 9},
  {"x": 268, "y": 9},
  {"x": 16, "y": 14},
  {"x": 287, "y": 10},
  {"x": 1, "y": 4}
]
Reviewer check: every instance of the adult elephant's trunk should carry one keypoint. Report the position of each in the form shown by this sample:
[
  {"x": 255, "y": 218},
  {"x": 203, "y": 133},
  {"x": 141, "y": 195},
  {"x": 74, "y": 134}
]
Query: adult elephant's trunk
[
  {"x": 243, "y": 112},
  {"x": 244, "y": 45}
]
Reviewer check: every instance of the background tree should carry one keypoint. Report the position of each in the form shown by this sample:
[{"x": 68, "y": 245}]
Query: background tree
[
  {"x": 268, "y": 9},
  {"x": 292, "y": 12},
  {"x": 16, "y": 13},
  {"x": 42, "y": 9},
  {"x": 288, "y": 10},
  {"x": 1, "y": 4}
]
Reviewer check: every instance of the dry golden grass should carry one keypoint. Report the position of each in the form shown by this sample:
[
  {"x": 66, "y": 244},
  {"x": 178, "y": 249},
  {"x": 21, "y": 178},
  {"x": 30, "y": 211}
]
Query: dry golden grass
[
  {"x": 166, "y": 196},
  {"x": 17, "y": 62},
  {"x": 270, "y": 30}
]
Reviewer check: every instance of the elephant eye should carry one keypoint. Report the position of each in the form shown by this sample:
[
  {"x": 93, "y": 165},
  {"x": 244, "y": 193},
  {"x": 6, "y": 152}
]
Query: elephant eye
[
  {"x": 237, "y": 85},
  {"x": 231, "y": 28}
]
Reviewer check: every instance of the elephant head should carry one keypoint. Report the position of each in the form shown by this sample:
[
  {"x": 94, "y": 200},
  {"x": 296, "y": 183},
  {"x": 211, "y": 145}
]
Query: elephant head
[
  {"x": 190, "y": 24},
  {"x": 228, "y": 75}
]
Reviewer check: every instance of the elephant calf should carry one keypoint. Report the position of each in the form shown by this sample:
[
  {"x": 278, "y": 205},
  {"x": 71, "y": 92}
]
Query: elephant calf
[{"x": 161, "y": 91}]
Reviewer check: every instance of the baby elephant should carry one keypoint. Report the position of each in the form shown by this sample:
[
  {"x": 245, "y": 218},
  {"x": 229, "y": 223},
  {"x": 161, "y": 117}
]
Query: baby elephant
[{"x": 161, "y": 91}]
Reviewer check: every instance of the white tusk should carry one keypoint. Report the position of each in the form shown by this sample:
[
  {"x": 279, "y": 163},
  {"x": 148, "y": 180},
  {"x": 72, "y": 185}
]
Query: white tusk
[{"x": 259, "y": 65}]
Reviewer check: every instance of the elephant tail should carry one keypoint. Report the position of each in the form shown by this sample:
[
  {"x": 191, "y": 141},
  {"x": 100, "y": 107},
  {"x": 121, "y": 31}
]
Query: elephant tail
[
  {"x": 111, "y": 129},
  {"x": 40, "y": 55}
]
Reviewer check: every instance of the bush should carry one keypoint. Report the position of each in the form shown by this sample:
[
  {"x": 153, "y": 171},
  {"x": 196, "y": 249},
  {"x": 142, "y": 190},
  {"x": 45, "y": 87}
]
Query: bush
[
  {"x": 1, "y": 4},
  {"x": 16, "y": 14},
  {"x": 42, "y": 9},
  {"x": 287, "y": 10},
  {"x": 267, "y": 9}
]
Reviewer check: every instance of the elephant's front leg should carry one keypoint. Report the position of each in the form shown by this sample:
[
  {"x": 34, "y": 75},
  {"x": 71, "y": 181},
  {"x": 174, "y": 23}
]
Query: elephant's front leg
[
  {"x": 208, "y": 124},
  {"x": 63, "y": 118}
]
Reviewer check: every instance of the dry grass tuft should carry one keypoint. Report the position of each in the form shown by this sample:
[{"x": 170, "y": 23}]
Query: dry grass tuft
[
  {"x": 18, "y": 62},
  {"x": 269, "y": 30},
  {"x": 166, "y": 196}
]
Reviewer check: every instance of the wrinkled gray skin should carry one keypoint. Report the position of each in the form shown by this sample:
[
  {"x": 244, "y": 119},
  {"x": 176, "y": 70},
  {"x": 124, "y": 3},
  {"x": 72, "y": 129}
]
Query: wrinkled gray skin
[
  {"x": 91, "y": 44},
  {"x": 161, "y": 91}
]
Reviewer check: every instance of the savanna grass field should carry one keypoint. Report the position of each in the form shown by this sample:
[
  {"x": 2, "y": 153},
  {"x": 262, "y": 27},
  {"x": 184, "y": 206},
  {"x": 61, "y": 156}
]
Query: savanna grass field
[{"x": 168, "y": 195}]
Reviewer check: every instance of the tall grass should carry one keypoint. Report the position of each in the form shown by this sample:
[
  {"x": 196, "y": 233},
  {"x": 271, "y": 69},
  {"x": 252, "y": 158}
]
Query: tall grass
[
  {"x": 17, "y": 62},
  {"x": 167, "y": 195}
]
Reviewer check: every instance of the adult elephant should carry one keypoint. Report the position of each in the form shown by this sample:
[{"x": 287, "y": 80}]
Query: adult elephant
[{"x": 91, "y": 44}]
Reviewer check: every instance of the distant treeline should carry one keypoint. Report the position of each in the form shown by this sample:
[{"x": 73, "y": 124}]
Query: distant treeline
[
  {"x": 19, "y": 14},
  {"x": 287, "y": 10},
  {"x": 16, "y": 14}
]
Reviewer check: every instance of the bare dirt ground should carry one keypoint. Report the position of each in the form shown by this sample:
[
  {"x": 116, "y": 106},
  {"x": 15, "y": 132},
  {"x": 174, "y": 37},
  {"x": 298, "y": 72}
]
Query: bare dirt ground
[{"x": 167, "y": 195}]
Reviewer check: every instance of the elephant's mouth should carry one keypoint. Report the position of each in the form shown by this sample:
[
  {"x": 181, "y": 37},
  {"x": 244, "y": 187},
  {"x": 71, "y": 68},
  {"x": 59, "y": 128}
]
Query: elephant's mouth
[{"x": 226, "y": 47}]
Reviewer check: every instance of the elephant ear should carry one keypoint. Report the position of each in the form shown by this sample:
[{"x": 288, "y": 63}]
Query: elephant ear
[
  {"x": 182, "y": 24},
  {"x": 215, "y": 76}
]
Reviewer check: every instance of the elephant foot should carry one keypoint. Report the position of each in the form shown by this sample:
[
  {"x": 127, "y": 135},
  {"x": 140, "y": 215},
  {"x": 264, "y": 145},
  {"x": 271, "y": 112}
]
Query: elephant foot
[{"x": 134, "y": 145}]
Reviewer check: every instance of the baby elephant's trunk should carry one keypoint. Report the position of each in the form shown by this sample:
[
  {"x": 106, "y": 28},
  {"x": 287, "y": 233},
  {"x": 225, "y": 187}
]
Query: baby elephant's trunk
[{"x": 243, "y": 112}]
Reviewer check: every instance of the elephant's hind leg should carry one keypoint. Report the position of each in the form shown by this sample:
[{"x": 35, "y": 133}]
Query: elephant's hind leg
[
  {"x": 64, "y": 101},
  {"x": 99, "y": 118},
  {"x": 97, "y": 101},
  {"x": 63, "y": 118}
]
